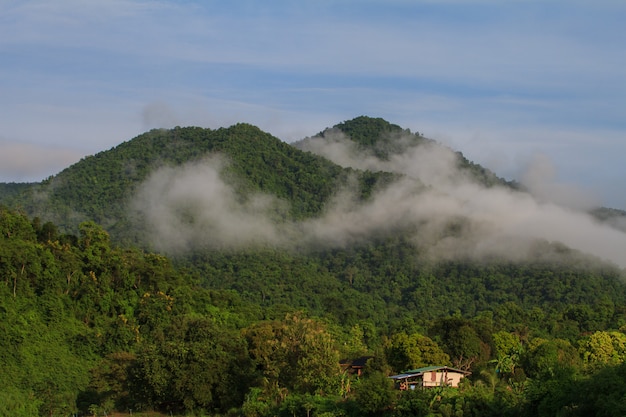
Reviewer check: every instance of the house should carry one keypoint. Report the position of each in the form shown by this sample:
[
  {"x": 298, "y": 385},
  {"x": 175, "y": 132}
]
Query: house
[
  {"x": 355, "y": 366},
  {"x": 429, "y": 376}
]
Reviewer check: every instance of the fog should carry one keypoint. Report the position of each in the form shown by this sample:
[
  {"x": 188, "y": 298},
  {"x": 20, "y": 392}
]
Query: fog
[
  {"x": 191, "y": 206},
  {"x": 446, "y": 213}
]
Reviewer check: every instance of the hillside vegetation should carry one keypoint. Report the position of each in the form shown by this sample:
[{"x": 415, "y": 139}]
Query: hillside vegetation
[
  {"x": 224, "y": 272},
  {"x": 88, "y": 326},
  {"x": 99, "y": 187}
]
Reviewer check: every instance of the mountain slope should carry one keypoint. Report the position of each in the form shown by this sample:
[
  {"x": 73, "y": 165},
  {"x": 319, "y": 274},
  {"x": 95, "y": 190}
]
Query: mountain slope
[
  {"x": 375, "y": 138},
  {"x": 99, "y": 187},
  {"x": 11, "y": 189},
  {"x": 224, "y": 187}
]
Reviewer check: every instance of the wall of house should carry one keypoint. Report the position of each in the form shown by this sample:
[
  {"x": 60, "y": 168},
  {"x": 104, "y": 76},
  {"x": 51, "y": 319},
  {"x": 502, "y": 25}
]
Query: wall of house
[{"x": 435, "y": 379}]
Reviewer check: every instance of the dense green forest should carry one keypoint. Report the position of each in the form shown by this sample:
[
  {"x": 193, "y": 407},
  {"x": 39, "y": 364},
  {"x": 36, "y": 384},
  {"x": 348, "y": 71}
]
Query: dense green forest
[
  {"x": 11, "y": 189},
  {"x": 90, "y": 327},
  {"x": 99, "y": 187},
  {"x": 95, "y": 321}
]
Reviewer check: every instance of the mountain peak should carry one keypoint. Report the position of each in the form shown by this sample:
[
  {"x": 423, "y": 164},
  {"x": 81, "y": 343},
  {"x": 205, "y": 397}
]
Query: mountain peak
[{"x": 377, "y": 134}]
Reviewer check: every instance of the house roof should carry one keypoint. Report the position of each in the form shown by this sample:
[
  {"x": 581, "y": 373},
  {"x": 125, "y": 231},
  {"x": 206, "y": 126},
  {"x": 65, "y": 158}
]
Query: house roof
[
  {"x": 356, "y": 363},
  {"x": 421, "y": 371}
]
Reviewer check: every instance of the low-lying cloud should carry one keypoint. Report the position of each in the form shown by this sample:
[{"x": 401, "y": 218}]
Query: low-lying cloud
[
  {"x": 540, "y": 179},
  {"x": 192, "y": 207},
  {"x": 447, "y": 213}
]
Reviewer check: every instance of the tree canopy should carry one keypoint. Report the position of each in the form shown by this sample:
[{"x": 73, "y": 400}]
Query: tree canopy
[{"x": 93, "y": 321}]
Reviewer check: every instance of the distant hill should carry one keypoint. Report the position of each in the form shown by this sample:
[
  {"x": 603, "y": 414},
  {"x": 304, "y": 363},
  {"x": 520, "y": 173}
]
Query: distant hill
[
  {"x": 289, "y": 190},
  {"x": 99, "y": 187},
  {"x": 385, "y": 140},
  {"x": 614, "y": 217},
  {"x": 11, "y": 189}
]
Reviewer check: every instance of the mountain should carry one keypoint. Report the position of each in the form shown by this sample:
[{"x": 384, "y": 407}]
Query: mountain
[
  {"x": 613, "y": 217},
  {"x": 383, "y": 140},
  {"x": 193, "y": 188},
  {"x": 101, "y": 187},
  {"x": 365, "y": 239}
]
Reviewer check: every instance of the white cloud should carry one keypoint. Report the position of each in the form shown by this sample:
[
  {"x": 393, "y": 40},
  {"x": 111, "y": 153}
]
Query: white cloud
[
  {"x": 540, "y": 180},
  {"x": 448, "y": 214},
  {"x": 191, "y": 206}
]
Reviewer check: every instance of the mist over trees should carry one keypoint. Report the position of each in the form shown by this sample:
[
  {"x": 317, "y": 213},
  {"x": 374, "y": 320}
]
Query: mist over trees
[{"x": 223, "y": 272}]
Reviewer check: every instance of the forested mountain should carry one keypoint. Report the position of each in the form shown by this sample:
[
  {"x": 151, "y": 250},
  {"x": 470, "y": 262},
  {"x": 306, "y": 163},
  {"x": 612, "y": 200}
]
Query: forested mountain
[
  {"x": 100, "y": 187},
  {"x": 385, "y": 140},
  {"x": 224, "y": 271}
]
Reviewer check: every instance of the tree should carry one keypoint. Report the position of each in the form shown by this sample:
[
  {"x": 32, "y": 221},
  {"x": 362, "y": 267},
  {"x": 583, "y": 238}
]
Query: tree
[
  {"x": 296, "y": 354},
  {"x": 18, "y": 403},
  {"x": 95, "y": 245},
  {"x": 109, "y": 387},
  {"x": 603, "y": 348},
  {"x": 507, "y": 350},
  {"x": 15, "y": 225},
  {"x": 460, "y": 341},
  {"x": 375, "y": 394},
  {"x": 404, "y": 351},
  {"x": 197, "y": 366},
  {"x": 600, "y": 393},
  {"x": 545, "y": 358}
]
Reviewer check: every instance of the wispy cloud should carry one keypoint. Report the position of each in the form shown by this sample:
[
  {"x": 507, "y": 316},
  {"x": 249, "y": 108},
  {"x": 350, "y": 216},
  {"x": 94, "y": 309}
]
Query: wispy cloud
[{"x": 446, "y": 213}]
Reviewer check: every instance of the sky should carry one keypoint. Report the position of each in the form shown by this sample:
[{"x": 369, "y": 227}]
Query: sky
[{"x": 511, "y": 84}]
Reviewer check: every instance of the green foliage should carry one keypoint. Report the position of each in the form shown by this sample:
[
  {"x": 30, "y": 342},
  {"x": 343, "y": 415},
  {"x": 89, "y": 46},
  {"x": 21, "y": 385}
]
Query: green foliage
[
  {"x": 12, "y": 189},
  {"x": 295, "y": 354},
  {"x": 17, "y": 403},
  {"x": 37, "y": 360},
  {"x": 88, "y": 325},
  {"x": 602, "y": 394},
  {"x": 603, "y": 348},
  {"x": 415, "y": 403},
  {"x": 461, "y": 341},
  {"x": 375, "y": 394},
  {"x": 404, "y": 352},
  {"x": 198, "y": 365},
  {"x": 546, "y": 358},
  {"x": 507, "y": 351}
]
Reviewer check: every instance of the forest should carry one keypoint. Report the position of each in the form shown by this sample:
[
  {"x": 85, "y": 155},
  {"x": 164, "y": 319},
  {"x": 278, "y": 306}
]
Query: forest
[{"x": 98, "y": 317}]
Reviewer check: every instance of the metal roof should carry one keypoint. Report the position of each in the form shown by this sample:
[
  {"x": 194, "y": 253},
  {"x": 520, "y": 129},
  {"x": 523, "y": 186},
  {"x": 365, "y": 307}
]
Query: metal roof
[{"x": 421, "y": 371}]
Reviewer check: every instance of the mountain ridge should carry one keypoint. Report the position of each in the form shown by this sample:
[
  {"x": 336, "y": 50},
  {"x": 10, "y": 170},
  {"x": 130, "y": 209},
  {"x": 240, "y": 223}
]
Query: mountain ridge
[
  {"x": 108, "y": 177},
  {"x": 340, "y": 168}
]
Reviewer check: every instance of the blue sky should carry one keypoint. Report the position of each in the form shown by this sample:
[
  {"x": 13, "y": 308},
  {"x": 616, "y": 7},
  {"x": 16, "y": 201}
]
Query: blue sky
[{"x": 500, "y": 81}]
